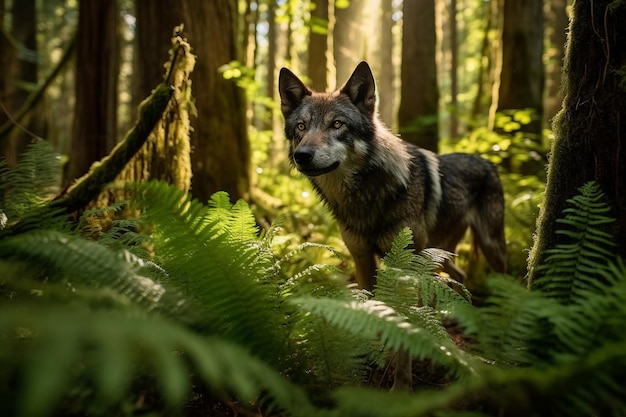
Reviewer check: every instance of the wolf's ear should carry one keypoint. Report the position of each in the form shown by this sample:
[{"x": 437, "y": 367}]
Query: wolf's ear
[
  {"x": 361, "y": 88},
  {"x": 291, "y": 91}
]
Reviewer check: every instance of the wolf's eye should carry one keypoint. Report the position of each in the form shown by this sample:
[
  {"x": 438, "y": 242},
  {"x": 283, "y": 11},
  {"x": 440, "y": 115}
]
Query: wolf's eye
[
  {"x": 301, "y": 126},
  {"x": 337, "y": 124}
]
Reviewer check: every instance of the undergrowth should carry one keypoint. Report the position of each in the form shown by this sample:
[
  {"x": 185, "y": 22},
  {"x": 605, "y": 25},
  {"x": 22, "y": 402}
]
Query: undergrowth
[{"x": 192, "y": 303}]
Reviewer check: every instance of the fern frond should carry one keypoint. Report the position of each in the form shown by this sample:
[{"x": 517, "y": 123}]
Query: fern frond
[
  {"x": 374, "y": 319},
  {"x": 408, "y": 282},
  {"x": 222, "y": 270},
  {"x": 398, "y": 256},
  {"x": 108, "y": 351},
  {"x": 514, "y": 322},
  {"x": 34, "y": 179},
  {"x": 237, "y": 219},
  {"x": 26, "y": 188},
  {"x": 588, "y": 386},
  {"x": 79, "y": 262},
  {"x": 582, "y": 327},
  {"x": 401, "y": 256},
  {"x": 304, "y": 246},
  {"x": 330, "y": 356},
  {"x": 572, "y": 269}
]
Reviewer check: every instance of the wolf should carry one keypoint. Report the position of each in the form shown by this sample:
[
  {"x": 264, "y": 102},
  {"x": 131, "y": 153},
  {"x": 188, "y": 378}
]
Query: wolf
[{"x": 376, "y": 184}]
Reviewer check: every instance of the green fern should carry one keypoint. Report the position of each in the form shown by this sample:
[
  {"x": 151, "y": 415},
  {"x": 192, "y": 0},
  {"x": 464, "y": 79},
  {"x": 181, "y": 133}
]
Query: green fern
[
  {"x": 329, "y": 356},
  {"x": 220, "y": 269},
  {"x": 573, "y": 324},
  {"x": 27, "y": 187},
  {"x": 34, "y": 179},
  {"x": 107, "y": 351},
  {"x": 203, "y": 297},
  {"x": 407, "y": 280},
  {"x": 374, "y": 319},
  {"x": 81, "y": 265},
  {"x": 512, "y": 323},
  {"x": 572, "y": 269},
  {"x": 237, "y": 218}
]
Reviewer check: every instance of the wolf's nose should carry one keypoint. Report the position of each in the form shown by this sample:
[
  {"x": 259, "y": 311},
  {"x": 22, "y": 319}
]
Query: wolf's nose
[{"x": 304, "y": 155}]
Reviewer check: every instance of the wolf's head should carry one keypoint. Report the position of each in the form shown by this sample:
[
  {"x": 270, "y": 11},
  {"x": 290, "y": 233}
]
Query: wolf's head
[{"x": 328, "y": 130}]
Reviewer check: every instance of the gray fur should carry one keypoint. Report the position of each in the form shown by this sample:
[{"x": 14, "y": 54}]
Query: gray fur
[{"x": 375, "y": 184}]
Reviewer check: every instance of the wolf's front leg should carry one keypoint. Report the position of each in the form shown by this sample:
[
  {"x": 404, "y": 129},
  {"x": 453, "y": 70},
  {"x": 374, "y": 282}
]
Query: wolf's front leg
[
  {"x": 365, "y": 270},
  {"x": 364, "y": 259}
]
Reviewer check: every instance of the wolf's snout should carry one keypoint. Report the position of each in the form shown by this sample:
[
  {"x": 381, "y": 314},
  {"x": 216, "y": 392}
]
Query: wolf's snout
[{"x": 303, "y": 155}]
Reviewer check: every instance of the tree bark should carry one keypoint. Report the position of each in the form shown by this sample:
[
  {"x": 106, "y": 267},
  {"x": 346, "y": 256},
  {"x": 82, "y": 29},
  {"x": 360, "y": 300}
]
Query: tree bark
[
  {"x": 318, "y": 45},
  {"x": 220, "y": 149},
  {"x": 418, "y": 116},
  {"x": 557, "y": 34},
  {"x": 386, "y": 73},
  {"x": 94, "y": 130},
  {"x": 349, "y": 39},
  {"x": 19, "y": 67},
  {"x": 522, "y": 75},
  {"x": 454, "y": 79},
  {"x": 221, "y": 156},
  {"x": 482, "y": 100},
  {"x": 590, "y": 130}
]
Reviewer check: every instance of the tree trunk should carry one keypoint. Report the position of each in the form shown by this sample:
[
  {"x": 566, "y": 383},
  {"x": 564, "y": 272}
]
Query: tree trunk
[
  {"x": 418, "y": 116},
  {"x": 386, "y": 73},
  {"x": 267, "y": 119},
  {"x": 221, "y": 154},
  {"x": 454, "y": 79},
  {"x": 19, "y": 65},
  {"x": 166, "y": 153},
  {"x": 590, "y": 132},
  {"x": 522, "y": 75},
  {"x": 94, "y": 131},
  {"x": 482, "y": 100},
  {"x": 318, "y": 45},
  {"x": 248, "y": 34},
  {"x": 557, "y": 35},
  {"x": 220, "y": 149},
  {"x": 349, "y": 39}
]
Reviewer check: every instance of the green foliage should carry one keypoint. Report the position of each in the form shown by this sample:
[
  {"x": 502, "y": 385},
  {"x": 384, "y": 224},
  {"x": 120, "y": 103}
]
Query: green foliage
[
  {"x": 588, "y": 256},
  {"x": 24, "y": 188},
  {"x": 202, "y": 290},
  {"x": 204, "y": 307},
  {"x": 109, "y": 350},
  {"x": 73, "y": 302}
]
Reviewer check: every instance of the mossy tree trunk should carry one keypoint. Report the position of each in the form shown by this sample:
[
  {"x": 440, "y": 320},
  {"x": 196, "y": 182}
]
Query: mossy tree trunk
[
  {"x": 418, "y": 115},
  {"x": 590, "y": 130},
  {"x": 220, "y": 149}
]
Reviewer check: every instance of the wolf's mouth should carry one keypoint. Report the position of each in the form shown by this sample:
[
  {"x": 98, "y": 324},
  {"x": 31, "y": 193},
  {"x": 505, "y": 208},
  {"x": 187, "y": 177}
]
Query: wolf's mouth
[{"x": 314, "y": 172}]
